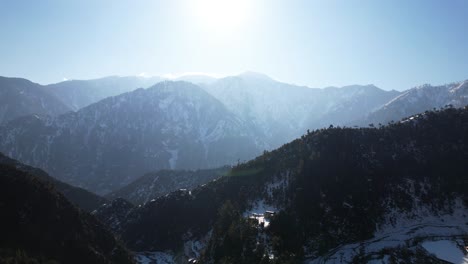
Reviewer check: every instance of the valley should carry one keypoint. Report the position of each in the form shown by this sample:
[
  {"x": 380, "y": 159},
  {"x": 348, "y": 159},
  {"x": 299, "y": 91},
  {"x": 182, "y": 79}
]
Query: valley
[
  {"x": 183, "y": 172},
  {"x": 233, "y": 132}
]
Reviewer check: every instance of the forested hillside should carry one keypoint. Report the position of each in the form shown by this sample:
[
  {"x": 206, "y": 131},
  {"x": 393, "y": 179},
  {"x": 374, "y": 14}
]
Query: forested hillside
[
  {"x": 38, "y": 225},
  {"x": 328, "y": 188},
  {"x": 82, "y": 198}
]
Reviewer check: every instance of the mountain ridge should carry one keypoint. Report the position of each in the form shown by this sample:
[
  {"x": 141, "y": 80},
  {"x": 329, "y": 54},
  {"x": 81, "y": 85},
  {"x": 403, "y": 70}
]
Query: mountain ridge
[{"x": 20, "y": 97}]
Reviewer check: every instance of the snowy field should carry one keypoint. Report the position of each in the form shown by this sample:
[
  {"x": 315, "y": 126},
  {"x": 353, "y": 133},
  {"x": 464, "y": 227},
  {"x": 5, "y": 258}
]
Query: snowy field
[
  {"x": 446, "y": 250},
  {"x": 403, "y": 229}
]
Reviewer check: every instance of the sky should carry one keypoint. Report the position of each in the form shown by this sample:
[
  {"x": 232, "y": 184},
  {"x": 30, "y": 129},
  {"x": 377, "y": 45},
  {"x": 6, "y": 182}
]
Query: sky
[{"x": 393, "y": 44}]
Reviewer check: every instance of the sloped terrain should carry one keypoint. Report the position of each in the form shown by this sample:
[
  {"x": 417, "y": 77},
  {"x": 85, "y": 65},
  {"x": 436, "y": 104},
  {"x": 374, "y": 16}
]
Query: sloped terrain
[
  {"x": 39, "y": 224},
  {"x": 20, "y": 97},
  {"x": 153, "y": 185},
  {"x": 282, "y": 112},
  {"x": 418, "y": 100},
  {"x": 82, "y": 198},
  {"x": 330, "y": 188},
  {"x": 77, "y": 94},
  {"x": 102, "y": 147}
]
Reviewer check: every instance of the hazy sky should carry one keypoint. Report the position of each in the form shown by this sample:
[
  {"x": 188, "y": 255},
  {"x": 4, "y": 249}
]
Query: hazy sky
[{"x": 394, "y": 44}]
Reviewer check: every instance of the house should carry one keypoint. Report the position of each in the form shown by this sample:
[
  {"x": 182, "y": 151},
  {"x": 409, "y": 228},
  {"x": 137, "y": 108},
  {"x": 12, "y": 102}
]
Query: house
[{"x": 255, "y": 215}]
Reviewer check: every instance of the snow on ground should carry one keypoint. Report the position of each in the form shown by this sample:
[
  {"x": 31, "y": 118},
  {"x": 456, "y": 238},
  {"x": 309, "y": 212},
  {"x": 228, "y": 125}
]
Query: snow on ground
[
  {"x": 402, "y": 229},
  {"x": 154, "y": 258},
  {"x": 261, "y": 220},
  {"x": 193, "y": 246},
  {"x": 445, "y": 250},
  {"x": 258, "y": 212},
  {"x": 260, "y": 207}
]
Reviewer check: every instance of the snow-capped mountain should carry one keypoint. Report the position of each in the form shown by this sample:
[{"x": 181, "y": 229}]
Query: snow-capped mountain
[
  {"x": 102, "y": 147},
  {"x": 278, "y": 110},
  {"x": 420, "y": 99},
  {"x": 80, "y": 93},
  {"x": 282, "y": 112},
  {"x": 20, "y": 97},
  {"x": 178, "y": 125},
  {"x": 345, "y": 105}
]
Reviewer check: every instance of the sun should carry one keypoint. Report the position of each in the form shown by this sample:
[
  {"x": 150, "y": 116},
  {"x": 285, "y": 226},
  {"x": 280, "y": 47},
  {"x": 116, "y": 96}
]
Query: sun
[{"x": 221, "y": 15}]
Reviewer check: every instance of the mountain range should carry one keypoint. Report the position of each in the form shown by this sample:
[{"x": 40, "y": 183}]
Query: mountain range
[
  {"x": 420, "y": 99},
  {"x": 108, "y": 144},
  {"x": 102, "y": 139},
  {"x": 335, "y": 175},
  {"x": 282, "y": 112}
]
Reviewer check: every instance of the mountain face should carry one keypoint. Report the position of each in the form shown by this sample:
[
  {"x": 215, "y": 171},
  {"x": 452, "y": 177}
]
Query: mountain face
[
  {"x": 38, "y": 225},
  {"x": 348, "y": 104},
  {"x": 102, "y": 147},
  {"x": 282, "y": 112},
  {"x": 20, "y": 97},
  {"x": 82, "y": 198},
  {"x": 80, "y": 93},
  {"x": 418, "y": 100},
  {"x": 337, "y": 195},
  {"x": 263, "y": 101},
  {"x": 156, "y": 184}
]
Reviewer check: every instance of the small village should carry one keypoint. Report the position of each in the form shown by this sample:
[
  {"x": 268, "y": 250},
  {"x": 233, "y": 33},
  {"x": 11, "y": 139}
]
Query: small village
[{"x": 262, "y": 219}]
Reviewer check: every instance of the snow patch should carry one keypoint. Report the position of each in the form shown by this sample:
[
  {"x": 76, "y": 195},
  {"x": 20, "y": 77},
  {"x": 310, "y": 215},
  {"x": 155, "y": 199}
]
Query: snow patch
[
  {"x": 445, "y": 250},
  {"x": 401, "y": 229},
  {"x": 259, "y": 207},
  {"x": 261, "y": 211},
  {"x": 156, "y": 257},
  {"x": 193, "y": 248}
]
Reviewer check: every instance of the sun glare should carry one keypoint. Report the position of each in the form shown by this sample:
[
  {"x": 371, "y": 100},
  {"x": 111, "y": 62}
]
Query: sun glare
[{"x": 221, "y": 15}]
